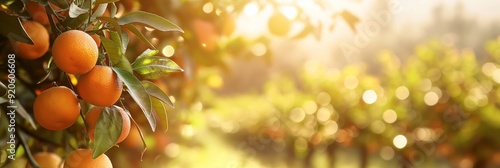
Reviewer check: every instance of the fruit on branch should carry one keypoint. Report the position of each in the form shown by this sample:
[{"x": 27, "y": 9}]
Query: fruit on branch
[
  {"x": 75, "y": 52},
  {"x": 100, "y": 86},
  {"x": 56, "y": 108},
  {"x": 40, "y": 37},
  {"x": 94, "y": 113},
  {"x": 82, "y": 158}
]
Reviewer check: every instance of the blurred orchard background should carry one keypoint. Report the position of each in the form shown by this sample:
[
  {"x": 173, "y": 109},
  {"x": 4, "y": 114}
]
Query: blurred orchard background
[{"x": 324, "y": 83}]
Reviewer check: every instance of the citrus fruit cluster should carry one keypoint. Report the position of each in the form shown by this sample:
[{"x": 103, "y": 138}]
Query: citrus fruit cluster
[
  {"x": 76, "y": 53},
  {"x": 80, "y": 158}
]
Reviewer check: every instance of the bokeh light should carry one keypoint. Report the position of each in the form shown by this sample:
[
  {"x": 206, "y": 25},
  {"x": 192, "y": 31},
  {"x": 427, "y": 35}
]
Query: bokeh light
[
  {"x": 297, "y": 115},
  {"x": 259, "y": 49},
  {"x": 431, "y": 98},
  {"x": 378, "y": 127},
  {"x": 351, "y": 82},
  {"x": 323, "y": 114},
  {"x": 369, "y": 97},
  {"x": 390, "y": 116},
  {"x": 310, "y": 107},
  {"x": 323, "y": 99},
  {"x": 402, "y": 93},
  {"x": 172, "y": 150},
  {"x": 208, "y": 7},
  {"x": 168, "y": 51},
  {"x": 387, "y": 153},
  {"x": 488, "y": 68},
  {"x": 400, "y": 141}
]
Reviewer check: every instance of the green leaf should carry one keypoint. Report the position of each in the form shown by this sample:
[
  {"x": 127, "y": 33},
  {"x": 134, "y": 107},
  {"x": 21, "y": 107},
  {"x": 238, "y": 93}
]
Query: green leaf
[
  {"x": 125, "y": 40},
  {"x": 76, "y": 22},
  {"x": 138, "y": 93},
  {"x": 113, "y": 10},
  {"x": 154, "y": 67},
  {"x": 12, "y": 28},
  {"x": 114, "y": 53},
  {"x": 138, "y": 33},
  {"x": 23, "y": 113},
  {"x": 75, "y": 10},
  {"x": 124, "y": 64},
  {"x": 107, "y": 130},
  {"x": 116, "y": 37},
  {"x": 3, "y": 100},
  {"x": 149, "y": 19},
  {"x": 99, "y": 11},
  {"x": 156, "y": 92},
  {"x": 105, "y": 1},
  {"x": 3, "y": 89},
  {"x": 161, "y": 112},
  {"x": 14, "y": 6},
  {"x": 114, "y": 24},
  {"x": 148, "y": 52}
]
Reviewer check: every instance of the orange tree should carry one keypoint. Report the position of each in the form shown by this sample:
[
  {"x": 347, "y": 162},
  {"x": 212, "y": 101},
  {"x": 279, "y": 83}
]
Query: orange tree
[{"x": 62, "y": 58}]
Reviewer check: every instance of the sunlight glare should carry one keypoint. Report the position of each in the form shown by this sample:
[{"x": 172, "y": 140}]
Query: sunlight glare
[
  {"x": 259, "y": 49},
  {"x": 400, "y": 141},
  {"x": 402, "y": 93},
  {"x": 208, "y": 7},
  {"x": 390, "y": 116},
  {"x": 369, "y": 97},
  {"x": 290, "y": 12},
  {"x": 168, "y": 51},
  {"x": 351, "y": 82},
  {"x": 251, "y": 9}
]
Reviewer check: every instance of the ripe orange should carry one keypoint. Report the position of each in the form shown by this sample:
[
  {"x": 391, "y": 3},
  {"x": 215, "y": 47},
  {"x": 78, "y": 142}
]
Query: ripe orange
[
  {"x": 56, "y": 108},
  {"x": 47, "y": 160},
  {"x": 82, "y": 158},
  {"x": 40, "y": 37},
  {"x": 133, "y": 140},
  {"x": 96, "y": 39},
  {"x": 100, "y": 86},
  {"x": 75, "y": 52},
  {"x": 279, "y": 24},
  {"x": 37, "y": 12},
  {"x": 94, "y": 114}
]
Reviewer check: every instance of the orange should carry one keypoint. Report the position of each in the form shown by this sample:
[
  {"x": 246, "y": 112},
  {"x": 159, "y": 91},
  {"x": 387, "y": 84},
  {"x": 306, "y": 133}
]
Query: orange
[
  {"x": 82, "y": 158},
  {"x": 40, "y": 37},
  {"x": 37, "y": 12},
  {"x": 47, "y": 160},
  {"x": 75, "y": 52},
  {"x": 279, "y": 24},
  {"x": 134, "y": 139},
  {"x": 100, "y": 86},
  {"x": 96, "y": 39},
  {"x": 94, "y": 114},
  {"x": 56, "y": 108}
]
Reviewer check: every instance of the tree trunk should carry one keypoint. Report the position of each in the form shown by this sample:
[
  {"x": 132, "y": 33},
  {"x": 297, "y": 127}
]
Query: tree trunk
[
  {"x": 308, "y": 158},
  {"x": 363, "y": 157},
  {"x": 330, "y": 151}
]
